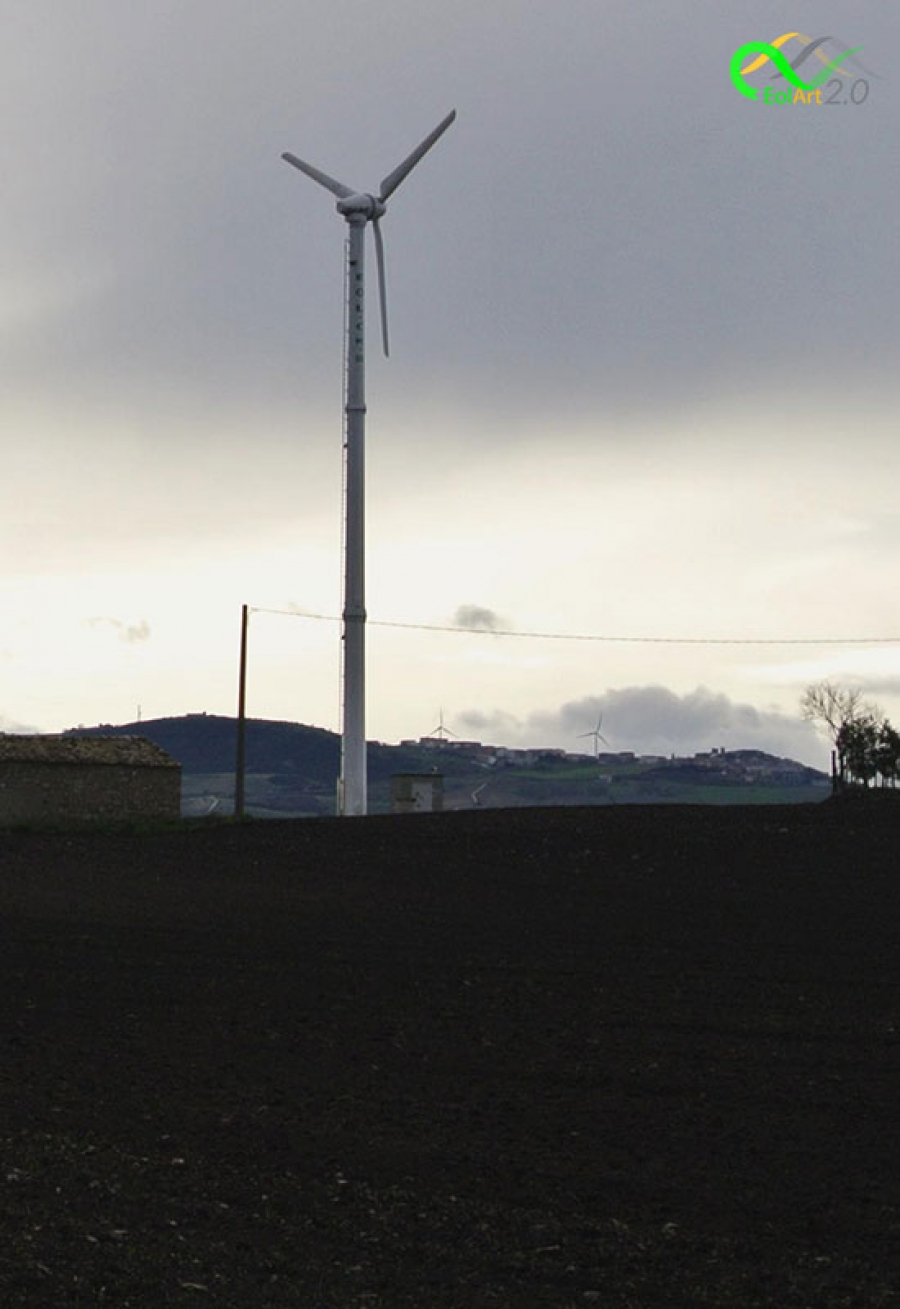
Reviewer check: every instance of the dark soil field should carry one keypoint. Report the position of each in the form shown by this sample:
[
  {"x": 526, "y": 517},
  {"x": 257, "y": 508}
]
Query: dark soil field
[{"x": 643, "y": 1057}]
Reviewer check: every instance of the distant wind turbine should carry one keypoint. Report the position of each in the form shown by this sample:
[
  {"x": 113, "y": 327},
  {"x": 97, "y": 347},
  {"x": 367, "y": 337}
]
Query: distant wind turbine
[
  {"x": 441, "y": 732},
  {"x": 597, "y": 736},
  {"x": 358, "y": 208}
]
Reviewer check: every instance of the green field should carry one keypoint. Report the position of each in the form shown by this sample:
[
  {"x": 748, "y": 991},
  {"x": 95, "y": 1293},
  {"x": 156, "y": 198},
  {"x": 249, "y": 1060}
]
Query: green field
[{"x": 287, "y": 795}]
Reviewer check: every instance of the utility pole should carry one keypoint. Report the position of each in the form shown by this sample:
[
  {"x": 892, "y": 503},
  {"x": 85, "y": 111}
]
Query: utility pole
[{"x": 241, "y": 721}]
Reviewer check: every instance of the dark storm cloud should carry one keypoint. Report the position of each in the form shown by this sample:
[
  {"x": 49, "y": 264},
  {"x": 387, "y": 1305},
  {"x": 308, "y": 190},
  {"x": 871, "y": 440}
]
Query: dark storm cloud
[
  {"x": 607, "y": 224},
  {"x": 480, "y": 619},
  {"x": 655, "y": 720},
  {"x": 676, "y": 245}
]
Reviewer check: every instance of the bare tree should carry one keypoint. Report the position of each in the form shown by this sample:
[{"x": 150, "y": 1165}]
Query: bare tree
[{"x": 831, "y": 705}]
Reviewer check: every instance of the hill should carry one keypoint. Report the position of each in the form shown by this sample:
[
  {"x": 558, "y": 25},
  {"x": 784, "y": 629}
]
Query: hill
[{"x": 292, "y": 770}]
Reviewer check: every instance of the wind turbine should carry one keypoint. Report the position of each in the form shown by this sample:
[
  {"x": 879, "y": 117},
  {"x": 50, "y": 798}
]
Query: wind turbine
[
  {"x": 358, "y": 208},
  {"x": 441, "y": 732},
  {"x": 597, "y": 737}
]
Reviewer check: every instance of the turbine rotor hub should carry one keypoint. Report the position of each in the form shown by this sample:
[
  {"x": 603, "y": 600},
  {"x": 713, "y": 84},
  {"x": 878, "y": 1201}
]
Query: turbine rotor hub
[{"x": 361, "y": 206}]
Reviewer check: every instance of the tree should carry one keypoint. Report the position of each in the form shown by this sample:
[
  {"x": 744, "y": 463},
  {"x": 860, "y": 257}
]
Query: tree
[
  {"x": 839, "y": 708},
  {"x": 857, "y": 745},
  {"x": 887, "y": 754}
]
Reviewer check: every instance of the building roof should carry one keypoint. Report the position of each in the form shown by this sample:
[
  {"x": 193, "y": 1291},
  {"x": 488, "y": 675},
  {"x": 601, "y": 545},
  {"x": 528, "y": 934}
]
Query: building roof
[{"x": 127, "y": 751}]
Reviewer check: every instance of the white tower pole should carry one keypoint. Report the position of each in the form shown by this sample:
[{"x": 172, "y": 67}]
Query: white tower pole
[
  {"x": 359, "y": 208},
  {"x": 352, "y": 786}
]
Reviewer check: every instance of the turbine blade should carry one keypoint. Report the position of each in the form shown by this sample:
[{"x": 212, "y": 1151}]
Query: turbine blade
[
  {"x": 393, "y": 180},
  {"x": 382, "y": 283},
  {"x": 336, "y": 188}
]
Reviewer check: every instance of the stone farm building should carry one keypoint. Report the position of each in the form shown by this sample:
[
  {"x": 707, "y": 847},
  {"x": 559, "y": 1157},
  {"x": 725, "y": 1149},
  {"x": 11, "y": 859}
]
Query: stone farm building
[{"x": 53, "y": 779}]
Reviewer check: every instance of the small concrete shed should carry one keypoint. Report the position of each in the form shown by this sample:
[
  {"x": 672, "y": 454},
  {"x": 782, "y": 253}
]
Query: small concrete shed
[
  {"x": 417, "y": 793},
  {"x": 91, "y": 779}
]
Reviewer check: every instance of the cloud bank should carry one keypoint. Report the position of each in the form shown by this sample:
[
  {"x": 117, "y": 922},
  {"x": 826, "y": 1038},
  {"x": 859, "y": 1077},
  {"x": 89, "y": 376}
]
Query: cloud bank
[
  {"x": 12, "y": 727},
  {"x": 656, "y": 720}
]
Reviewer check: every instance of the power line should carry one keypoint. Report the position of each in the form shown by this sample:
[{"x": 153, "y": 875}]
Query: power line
[{"x": 576, "y": 636}]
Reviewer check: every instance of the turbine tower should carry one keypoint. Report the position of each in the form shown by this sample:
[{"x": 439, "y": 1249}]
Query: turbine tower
[{"x": 358, "y": 208}]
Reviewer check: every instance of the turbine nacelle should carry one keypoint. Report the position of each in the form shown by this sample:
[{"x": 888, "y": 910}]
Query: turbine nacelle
[{"x": 368, "y": 207}]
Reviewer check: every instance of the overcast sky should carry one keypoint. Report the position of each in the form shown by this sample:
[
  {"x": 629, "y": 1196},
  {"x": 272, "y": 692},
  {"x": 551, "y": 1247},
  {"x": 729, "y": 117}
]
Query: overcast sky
[{"x": 643, "y": 378}]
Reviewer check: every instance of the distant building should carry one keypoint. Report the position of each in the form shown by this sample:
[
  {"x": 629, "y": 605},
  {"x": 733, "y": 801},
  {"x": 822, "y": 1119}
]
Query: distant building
[
  {"x": 516, "y": 758},
  {"x": 413, "y": 793},
  {"x": 445, "y": 743},
  {"x": 91, "y": 779}
]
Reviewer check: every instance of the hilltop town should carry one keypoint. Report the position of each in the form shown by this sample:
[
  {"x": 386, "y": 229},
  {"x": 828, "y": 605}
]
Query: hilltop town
[{"x": 739, "y": 767}]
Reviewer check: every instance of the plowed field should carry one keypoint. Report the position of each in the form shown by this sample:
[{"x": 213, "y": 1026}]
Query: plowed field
[{"x": 644, "y": 1057}]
